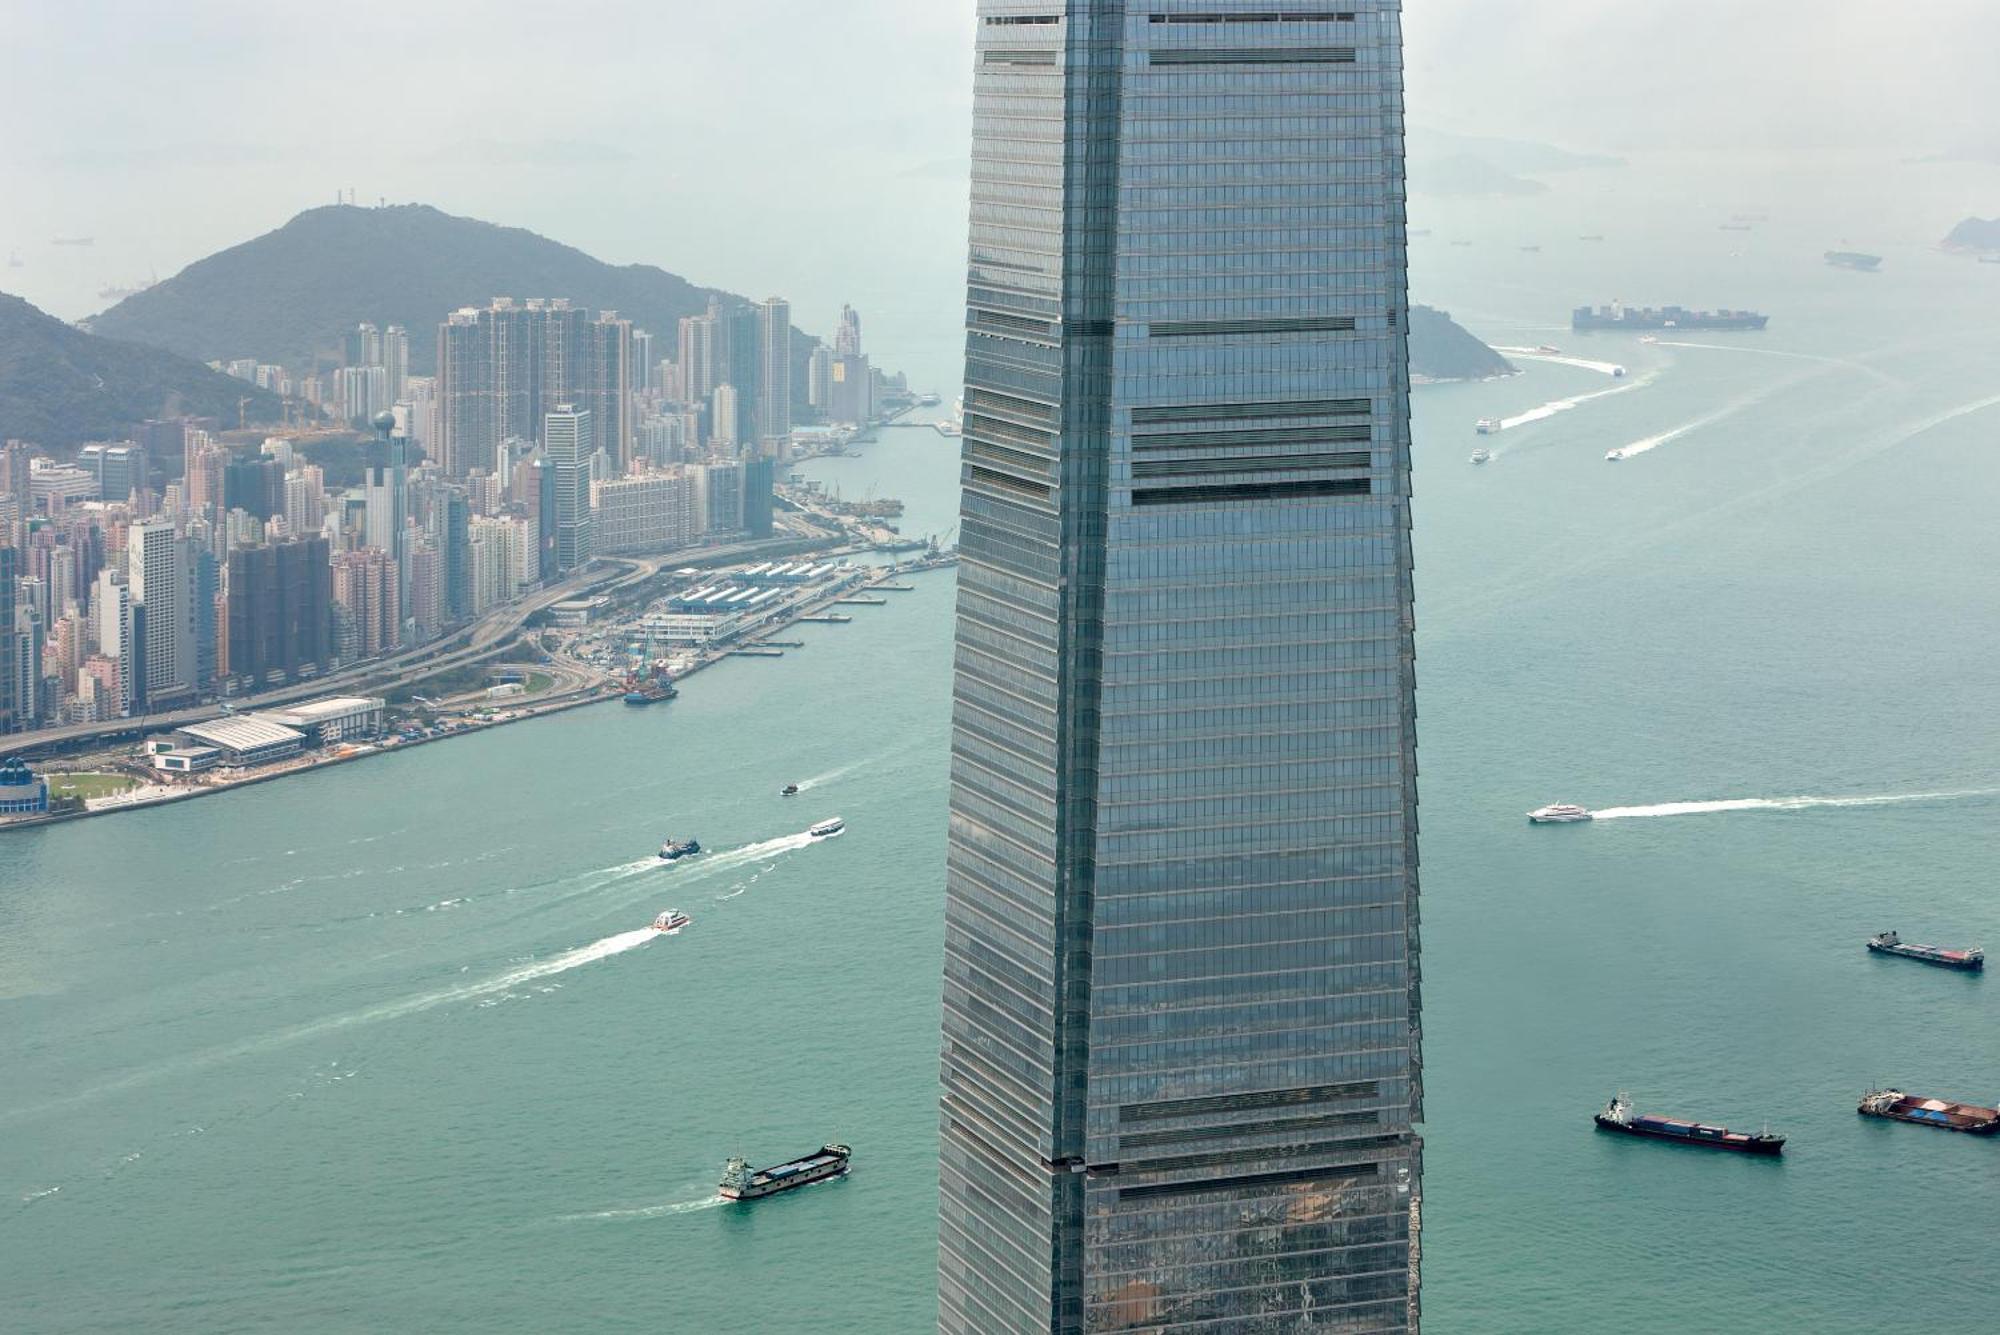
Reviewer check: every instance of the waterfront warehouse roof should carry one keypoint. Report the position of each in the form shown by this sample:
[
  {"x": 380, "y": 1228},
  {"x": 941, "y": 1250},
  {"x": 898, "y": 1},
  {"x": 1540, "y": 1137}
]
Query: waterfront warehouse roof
[
  {"x": 242, "y": 732},
  {"x": 340, "y": 706}
]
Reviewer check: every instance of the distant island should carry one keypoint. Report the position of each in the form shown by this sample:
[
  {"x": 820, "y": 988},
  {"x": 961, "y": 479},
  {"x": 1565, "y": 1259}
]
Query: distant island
[
  {"x": 1441, "y": 349},
  {"x": 1975, "y": 235},
  {"x": 1478, "y": 166}
]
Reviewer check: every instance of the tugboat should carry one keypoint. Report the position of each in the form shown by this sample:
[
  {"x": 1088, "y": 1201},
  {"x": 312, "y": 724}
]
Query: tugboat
[
  {"x": 1562, "y": 813},
  {"x": 1618, "y": 1116},
  {"x": 672, "y": 851},
  {"x": 826, "y": 829},
  {"x": 671, "y": 921},
  {"x": 789, "y": 790},
  {"x": 1888, "y": 943},
  {"x": 741, "y": 1182},
  {"x": 1897, "y": 1106}
]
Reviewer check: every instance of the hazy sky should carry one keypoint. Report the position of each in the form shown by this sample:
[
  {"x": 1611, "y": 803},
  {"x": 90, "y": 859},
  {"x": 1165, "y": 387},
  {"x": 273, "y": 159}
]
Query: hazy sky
[{"x": 759, "y": 143}]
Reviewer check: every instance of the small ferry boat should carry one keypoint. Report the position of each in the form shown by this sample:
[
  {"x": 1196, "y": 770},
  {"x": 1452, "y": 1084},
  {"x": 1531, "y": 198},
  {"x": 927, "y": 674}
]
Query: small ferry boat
[
  {"x": 671, "y": 921},
  {"x": 1562, "y": 813},
  {"x": 826, "y": 829},
  {"x": 675, "y": 850},
  {"x": 741, "y": 1182},
  {"x": 789, "y": 790},
  {"x": 1888, "y": 943},
  {"x": 1615, "y": 456},
  {"x": 1618, "y": 1116},
  {"x": 1897, "y": 1106},
  {"x": 1482, "y": 455},
  {"x": 1487, "y": 426}
]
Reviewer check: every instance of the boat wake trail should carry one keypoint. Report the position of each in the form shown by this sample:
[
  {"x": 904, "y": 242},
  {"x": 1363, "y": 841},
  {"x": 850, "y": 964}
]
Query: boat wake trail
[
  {"x": 1789, "y": 803},
  {"x": 643, "y": 1211},
  {"x": 1557, "y": 359},
  {"x": 1548, "y": 410}
]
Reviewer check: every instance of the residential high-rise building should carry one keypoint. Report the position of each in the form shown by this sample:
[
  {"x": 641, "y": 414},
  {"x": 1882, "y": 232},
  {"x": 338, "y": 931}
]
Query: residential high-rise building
[
  {"x": 774, "y": 394},
  {"x": 10, "y": 573},
  {"x": 368, "y": 615},
  {"x": 847, "y": 338},
  {"x": 723, "y": 416},
  {"x": 280, "y": 612},
  {"x": 1181, "y": 1050},
  {"x": 117, "y": 642},
  {"x": 698, "y": 362},
  {"x": 504, "y": 367},
  {"x": 158, "y": 569},
  {"x": 254, "y": 485},
  {"x": 569, "y": 441},
  {"x": 120, "y": 470},
  {"x": 646, "y": 512},
  {"x": 760, "y": 475}
]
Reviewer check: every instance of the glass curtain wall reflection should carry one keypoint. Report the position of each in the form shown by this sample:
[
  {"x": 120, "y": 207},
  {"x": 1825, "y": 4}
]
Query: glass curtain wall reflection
[{"x": 1181, "y": 1049}]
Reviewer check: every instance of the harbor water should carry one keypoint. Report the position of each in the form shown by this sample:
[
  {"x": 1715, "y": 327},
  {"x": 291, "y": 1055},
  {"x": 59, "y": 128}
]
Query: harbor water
[{"x": 390, "y": 1046}]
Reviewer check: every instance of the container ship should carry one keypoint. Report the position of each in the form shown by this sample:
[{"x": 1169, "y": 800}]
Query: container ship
[
  {"x": 1854, "y": 259},
  {"x": 1618, "y": 316},
  {"x": 1897, "y": 1106},
  {"x": 1618, "y": 1116},
  {"x": 741, "y": 1182},
  {"x": 1888, "y": 943}
]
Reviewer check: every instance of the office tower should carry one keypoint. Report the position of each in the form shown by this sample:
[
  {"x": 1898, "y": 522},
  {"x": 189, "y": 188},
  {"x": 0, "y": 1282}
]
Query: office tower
[
  {"x": 162, "y": 588},
  {"x": 10, "y": 573},
  {"x": 819, "y": 379},
  {"x": 774, "y": 396},
  {"x": 847, "y": 338},
  {"x": 120, "y": 470},
  {"x": 369, "y": 615},
  {"x": 205, "y": 573},
  {"x": 457, "y": 516},
  {"x": 850, "y": 389},
  {"x": 741, "y": 339},
  {"x": 280, "y": 612},
  {"x": 723, "y": 416},
  {"x": 543, "y": 477},
  {"x": 255, "y": 486},
  {"x": 568, "y": 440},
  {"x": 760, "y": 474},
  {"x": 604, "y": 385},
  {"x": 1181, "y": 1057}
]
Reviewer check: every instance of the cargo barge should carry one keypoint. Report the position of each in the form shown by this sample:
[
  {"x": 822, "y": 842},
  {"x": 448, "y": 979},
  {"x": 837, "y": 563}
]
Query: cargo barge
[
  {"x": 741, "y": 1182},
  {"x": 1888, "y": 943},
  {"x": 1617, "y": 316},
  {"x": 1897, "y": 1106},
  {"x": 1618, "y": 1116}
]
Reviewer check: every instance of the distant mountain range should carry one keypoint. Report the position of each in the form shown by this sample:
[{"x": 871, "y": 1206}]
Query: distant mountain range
[
  {"x": 1479, "y": 166},
  {"x": 1441, "y": 349},
  {"x": 61, "y": 387},
  {"x": 1975, "y": 234},
  {"x": 289, "y": 295}
]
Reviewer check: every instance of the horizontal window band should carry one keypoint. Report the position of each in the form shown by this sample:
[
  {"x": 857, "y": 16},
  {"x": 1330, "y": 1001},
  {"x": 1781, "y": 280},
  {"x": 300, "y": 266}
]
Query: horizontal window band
[
  {"x": 1226, "y": 440},
  {"x": 1015, "y": 324},
  {"x": 1195, "y": 1134},
  {"x": 1004, "y": 457},
  {"x": 990, "y": 401},
  {"x": 1008, "y": 433},
  {"x": 1254, "y": 55},
  {"x": 1325, "y": 1177},
  {"x": 1044, "y": 58},
  {"x": 1013, "y": 485},
  {"x": 1301, "y": 324},
  {"x": 1267, "y": 16},
  {"x": 1191, "y": 468},
  {"x": 1268, "y": 1098},
  {"x": 1253, "y": 491},
  {"x": 1215, "y": 412},
  {"x": 1181, "y": 1163}
]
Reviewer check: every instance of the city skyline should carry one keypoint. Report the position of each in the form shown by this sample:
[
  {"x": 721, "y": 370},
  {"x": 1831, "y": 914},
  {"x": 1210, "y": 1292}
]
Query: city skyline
[{"x": 1181, "y": 1056}]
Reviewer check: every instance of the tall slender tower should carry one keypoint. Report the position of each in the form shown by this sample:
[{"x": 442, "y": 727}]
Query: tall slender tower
[{"x": 1181, "y": 1049}]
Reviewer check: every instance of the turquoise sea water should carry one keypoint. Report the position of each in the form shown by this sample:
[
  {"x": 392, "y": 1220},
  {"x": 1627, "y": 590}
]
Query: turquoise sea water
[{"x": 385, "y": 1047}]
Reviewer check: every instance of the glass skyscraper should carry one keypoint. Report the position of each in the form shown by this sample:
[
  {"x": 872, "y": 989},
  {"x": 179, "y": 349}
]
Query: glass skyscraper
[{"x": 1181, "y": 1053}]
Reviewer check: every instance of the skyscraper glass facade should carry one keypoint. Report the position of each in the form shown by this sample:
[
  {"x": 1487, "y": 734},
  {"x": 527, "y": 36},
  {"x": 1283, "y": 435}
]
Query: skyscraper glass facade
[{"x": 1181, "y": 1052}]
